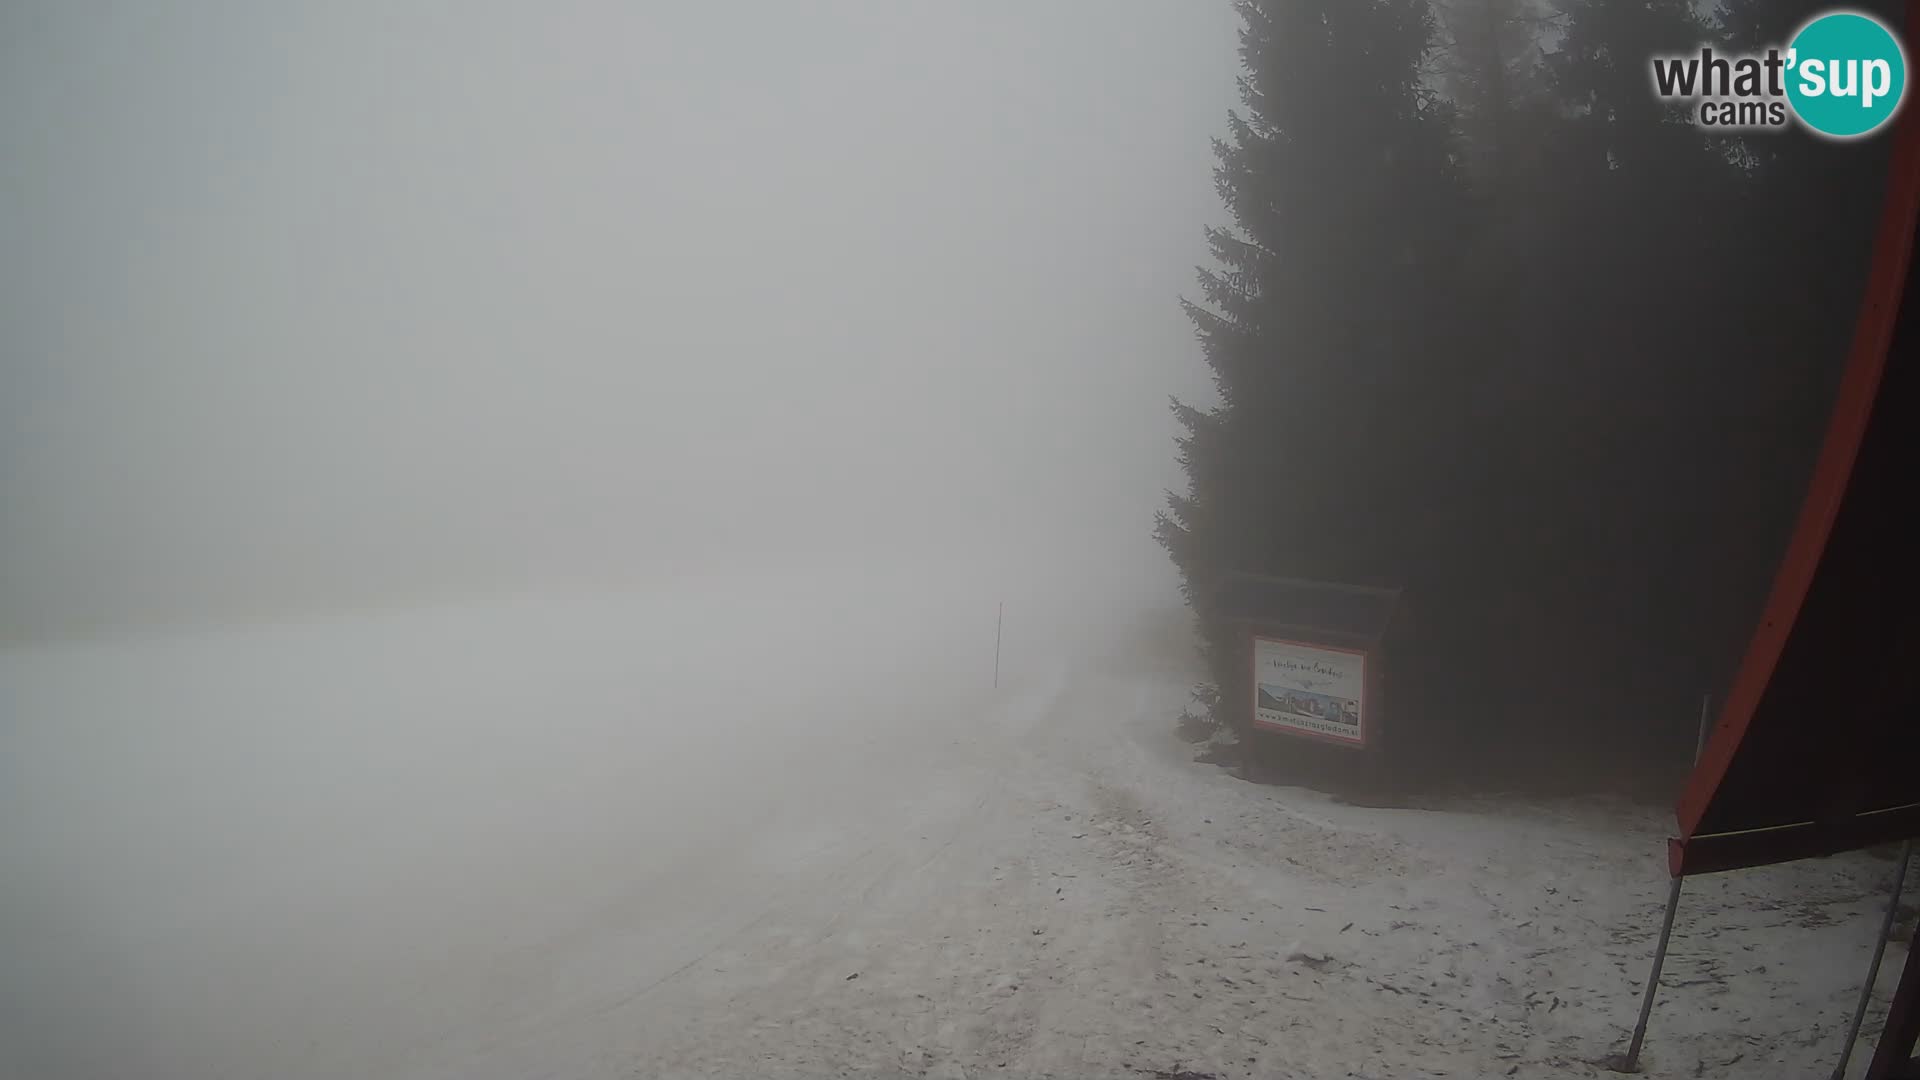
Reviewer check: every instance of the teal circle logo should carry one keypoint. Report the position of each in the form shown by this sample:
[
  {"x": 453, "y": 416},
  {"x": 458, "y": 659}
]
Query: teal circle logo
[{"x": 1846, "y": 74}]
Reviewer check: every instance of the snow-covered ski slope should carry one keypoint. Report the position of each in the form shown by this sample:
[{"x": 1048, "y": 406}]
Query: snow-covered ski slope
[{"x": 780, "y": 824}]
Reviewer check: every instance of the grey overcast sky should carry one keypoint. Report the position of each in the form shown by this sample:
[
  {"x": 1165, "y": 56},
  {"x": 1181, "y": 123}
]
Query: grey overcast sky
[{"x": 304, "y": 299}]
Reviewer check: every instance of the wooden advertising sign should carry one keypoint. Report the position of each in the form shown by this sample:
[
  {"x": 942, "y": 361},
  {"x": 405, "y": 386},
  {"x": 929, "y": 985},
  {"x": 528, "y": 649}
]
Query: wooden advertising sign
[{"x": 1316, "y": 655}]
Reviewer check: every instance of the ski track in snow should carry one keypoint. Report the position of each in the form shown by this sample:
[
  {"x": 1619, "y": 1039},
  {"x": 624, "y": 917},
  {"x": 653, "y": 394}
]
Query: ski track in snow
[{"x": 1052, "y": 889}]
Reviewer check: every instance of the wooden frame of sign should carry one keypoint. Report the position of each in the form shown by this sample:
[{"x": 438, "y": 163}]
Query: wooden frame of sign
[{"x": 1316, "y": 655}]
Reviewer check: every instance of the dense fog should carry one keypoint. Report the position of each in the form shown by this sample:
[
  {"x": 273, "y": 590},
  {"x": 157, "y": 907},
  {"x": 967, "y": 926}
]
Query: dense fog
[
  {"x": 468, "y": 474},
  {"x": 355, "y": 304},
  {"x": 356, "y": 845},
  {"x": 674, "y": 539}
]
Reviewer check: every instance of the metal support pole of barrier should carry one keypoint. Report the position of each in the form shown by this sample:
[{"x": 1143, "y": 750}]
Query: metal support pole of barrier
[
  {"x": 1631, "y": 1062},
  {"x": 1873, "y": 969}
]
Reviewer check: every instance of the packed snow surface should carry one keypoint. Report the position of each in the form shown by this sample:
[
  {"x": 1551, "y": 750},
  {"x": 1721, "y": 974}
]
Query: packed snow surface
[{"x": 782, "y": 824}]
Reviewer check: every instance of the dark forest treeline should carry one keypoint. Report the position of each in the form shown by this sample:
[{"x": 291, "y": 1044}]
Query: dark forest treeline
[{"x": 1493, "y": 325}]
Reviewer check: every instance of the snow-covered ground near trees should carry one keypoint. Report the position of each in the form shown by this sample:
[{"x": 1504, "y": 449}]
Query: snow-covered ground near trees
[{"x": 782, "y": 825}]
